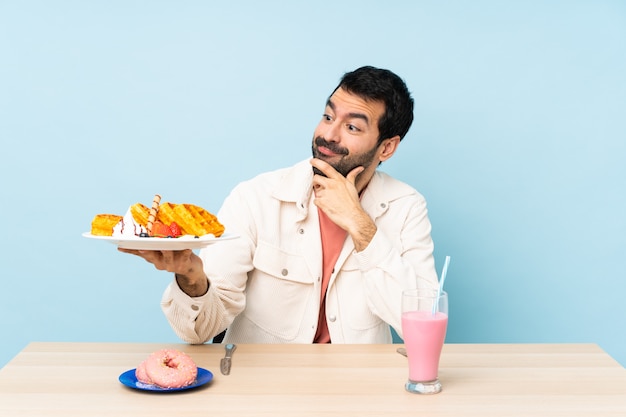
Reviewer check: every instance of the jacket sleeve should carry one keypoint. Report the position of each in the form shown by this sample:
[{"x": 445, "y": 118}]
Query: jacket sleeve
[
  {"x": 400, "y": 256},
  {"x": 226, "y": 264}
]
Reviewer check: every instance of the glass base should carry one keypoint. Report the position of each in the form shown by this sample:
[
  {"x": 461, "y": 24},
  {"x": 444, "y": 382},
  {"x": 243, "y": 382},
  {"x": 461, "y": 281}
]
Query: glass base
[{"x": 428, "y": 387}]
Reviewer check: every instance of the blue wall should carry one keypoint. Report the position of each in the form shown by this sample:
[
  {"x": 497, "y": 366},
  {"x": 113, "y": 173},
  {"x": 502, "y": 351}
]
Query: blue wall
[{"x": 519, "y": 145}]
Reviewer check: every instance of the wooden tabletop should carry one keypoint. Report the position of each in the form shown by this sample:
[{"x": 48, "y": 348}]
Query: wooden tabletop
[{"x": 81, "y": 379}]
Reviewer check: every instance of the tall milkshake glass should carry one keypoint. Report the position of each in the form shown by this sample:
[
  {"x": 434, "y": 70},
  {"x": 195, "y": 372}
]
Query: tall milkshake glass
[{"x": 424, "y": 324}]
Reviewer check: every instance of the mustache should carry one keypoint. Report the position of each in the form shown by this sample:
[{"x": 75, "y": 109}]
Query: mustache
[{"x": 332, "y": 146}]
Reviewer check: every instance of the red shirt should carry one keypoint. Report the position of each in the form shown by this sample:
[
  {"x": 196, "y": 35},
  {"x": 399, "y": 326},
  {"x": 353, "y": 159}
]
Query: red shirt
[{"x": 333, "y": 237}]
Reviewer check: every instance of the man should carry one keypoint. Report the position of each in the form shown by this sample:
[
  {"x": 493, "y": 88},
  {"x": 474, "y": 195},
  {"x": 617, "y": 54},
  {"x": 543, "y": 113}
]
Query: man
[{"x": 325, "y": 247}]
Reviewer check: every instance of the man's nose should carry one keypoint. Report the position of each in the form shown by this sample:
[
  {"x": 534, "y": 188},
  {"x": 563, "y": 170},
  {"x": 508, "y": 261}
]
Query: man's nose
[{"x": 331, "y": 134}]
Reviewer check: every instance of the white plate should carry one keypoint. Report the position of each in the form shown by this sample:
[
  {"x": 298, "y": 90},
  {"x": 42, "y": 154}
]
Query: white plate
[{"x": 162, "y": 243}]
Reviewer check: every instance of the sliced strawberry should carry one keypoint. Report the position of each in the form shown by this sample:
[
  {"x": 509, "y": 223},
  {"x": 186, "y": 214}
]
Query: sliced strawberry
[
  {"x": 175, "y": 230},
  {"x": 160, "y": 230}
]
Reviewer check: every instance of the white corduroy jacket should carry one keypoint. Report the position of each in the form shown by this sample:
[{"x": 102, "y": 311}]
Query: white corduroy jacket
[{"x": 265, "y": 285}]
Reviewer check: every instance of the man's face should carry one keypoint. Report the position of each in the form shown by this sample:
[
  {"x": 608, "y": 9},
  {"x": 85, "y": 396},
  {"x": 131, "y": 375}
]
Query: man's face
[{"x": 347, "y": 136}]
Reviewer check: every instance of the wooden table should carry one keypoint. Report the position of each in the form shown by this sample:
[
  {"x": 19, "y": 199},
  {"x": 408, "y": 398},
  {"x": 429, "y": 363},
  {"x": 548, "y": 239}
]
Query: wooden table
[{"x": 81, "y": 379}]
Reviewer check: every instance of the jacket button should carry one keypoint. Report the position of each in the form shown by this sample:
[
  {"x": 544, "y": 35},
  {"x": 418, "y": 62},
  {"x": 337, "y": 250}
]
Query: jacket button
[
  {"x": 195, "y": 307},
  {"x": 301, "y": 231},
  {"x": 284, "y": 272},
  {"x": 383, "y": 205},
  {"x": 332, "y": 318}
]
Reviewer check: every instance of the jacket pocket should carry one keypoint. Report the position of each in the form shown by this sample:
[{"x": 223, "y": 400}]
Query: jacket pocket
[{"x": 279, "y": 291}]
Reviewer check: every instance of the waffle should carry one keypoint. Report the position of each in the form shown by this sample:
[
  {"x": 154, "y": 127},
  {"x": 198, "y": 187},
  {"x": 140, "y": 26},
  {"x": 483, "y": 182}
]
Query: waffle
[
  {"x": 193, "y": 220},
  {"x": 140, "y": 213},
  {"x": 102, "y": 224}
]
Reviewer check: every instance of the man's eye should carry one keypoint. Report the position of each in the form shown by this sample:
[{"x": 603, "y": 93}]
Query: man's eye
[
  {"x": 327, "y": 117},
  {"x": 353, "y": 128}
]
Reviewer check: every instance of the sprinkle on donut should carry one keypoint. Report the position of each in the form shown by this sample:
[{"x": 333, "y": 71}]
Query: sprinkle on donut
[{"x": 167, "y": 368}]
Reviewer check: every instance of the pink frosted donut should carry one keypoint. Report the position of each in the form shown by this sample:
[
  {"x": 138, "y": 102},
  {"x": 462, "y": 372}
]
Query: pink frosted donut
[
  {"x": 142, "y": 375},
  {"x": 167, "y": 368}
]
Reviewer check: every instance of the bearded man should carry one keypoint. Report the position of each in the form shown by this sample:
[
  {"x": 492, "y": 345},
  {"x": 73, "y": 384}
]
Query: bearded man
[{"x": 325, "y": 247}]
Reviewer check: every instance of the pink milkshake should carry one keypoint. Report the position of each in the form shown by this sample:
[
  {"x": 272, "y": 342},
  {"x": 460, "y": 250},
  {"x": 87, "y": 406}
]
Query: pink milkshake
[{"x": 424, "y": 334}]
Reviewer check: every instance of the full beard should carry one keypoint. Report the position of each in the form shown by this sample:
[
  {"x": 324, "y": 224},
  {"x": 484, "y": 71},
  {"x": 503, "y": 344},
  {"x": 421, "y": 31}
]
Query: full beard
[{"x": 347, "y": 162}]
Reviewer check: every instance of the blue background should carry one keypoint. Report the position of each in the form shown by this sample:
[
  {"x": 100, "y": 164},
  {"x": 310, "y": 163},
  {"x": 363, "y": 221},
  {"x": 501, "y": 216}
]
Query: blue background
[{"x": 519, "y": 146}]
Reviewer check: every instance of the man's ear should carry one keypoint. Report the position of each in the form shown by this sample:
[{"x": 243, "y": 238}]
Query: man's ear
[{"x": 388, "y": 148}]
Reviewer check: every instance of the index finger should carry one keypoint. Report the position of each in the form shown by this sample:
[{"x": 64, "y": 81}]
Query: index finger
[{"x": 325, "y": 168}]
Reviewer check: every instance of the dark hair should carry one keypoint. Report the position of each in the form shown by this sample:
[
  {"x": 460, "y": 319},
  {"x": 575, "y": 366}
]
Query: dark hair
[{"x": 377, "y": 84}]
